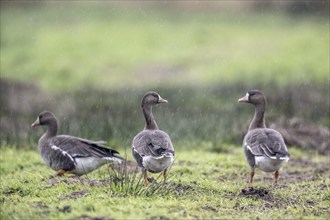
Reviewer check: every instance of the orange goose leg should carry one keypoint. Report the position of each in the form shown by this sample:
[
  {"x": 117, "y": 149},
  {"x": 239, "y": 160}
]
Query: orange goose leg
[
  {"x": 251, "y": 178},
  {"x": 145, "y": 178},
  {"x": 61, "y": 172},
  {"x": 277, "y": 174},
  {"x": 165, "y": 174}
]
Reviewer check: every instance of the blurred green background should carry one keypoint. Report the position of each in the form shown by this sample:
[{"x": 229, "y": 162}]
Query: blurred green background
[{"x": 90, "y": 62}]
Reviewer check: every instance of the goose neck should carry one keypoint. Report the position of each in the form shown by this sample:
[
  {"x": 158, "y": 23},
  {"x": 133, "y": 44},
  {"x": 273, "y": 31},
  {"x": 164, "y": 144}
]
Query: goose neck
[
  {"x": 150, "y": 121},
  {"x": 51, "y": 129},
  {"x": 258, "y": 120}
]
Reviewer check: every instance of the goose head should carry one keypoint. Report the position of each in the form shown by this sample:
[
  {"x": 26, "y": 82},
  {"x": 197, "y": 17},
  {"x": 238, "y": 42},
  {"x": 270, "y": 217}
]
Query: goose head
[
  {"x": 254, "y": 97},
  {"x": 44, "y": 118},
  {"x": 152, "y": 98}
]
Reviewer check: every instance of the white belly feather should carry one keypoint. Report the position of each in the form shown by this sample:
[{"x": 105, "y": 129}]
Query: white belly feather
[
  {"x": 267, "y": 164},
  {"x": 88, "y": 164},
  {"x": 156, "y": 164}
]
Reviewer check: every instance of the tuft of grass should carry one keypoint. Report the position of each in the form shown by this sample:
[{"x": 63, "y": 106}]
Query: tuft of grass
[{"x": 130, "y": 183}]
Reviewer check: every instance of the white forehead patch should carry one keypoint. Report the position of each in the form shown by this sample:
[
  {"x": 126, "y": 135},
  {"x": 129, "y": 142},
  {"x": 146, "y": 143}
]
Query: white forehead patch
[{"x": 247, "y": 95}]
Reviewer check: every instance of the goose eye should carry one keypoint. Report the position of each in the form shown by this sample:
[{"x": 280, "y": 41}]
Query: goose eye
[{"x": 155, "y": 96}]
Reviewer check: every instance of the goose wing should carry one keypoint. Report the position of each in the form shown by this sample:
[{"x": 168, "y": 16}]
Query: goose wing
[
  {"x": 79, "y": 147},
  {"x": 266, "y": 142},
  {"x": 153, "y": 143}
]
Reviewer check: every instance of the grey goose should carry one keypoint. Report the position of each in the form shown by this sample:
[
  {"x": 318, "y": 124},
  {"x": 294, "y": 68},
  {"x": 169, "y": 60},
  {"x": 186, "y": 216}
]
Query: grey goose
[
  {"x": 68, "y": 154},
  {"x": 264, "y": 148},
  {"x": 152, "y": 148}
]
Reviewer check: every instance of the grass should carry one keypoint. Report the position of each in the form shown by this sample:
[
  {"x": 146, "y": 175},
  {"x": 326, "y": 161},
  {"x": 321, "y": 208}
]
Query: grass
[
  {"x": 198, "y": 188},
  {"x": 105, "y": 46}
]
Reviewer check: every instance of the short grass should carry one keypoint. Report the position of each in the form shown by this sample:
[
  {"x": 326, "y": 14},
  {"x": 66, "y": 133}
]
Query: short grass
[
  {"x": 202, "y": 185},
  {"x": 65, "y": 46}
]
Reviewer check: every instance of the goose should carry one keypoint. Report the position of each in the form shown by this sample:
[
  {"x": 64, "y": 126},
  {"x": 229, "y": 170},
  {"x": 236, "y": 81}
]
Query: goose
[
  {"x": 264, "y": 148},
  {"x": 152, "y": 148},
  {"x": 68, "y": 154}
]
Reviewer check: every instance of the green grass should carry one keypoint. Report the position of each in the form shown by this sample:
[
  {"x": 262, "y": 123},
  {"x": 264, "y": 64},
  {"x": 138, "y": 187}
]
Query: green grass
[
  {"x": 68, "y": 46},
  {"x": 200, "y": 187}
]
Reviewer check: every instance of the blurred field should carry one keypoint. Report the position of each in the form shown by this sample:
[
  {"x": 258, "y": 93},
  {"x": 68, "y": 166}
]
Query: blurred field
[
  {"x": 63, "y": 47},
  {"x": 91, "y": 63}
]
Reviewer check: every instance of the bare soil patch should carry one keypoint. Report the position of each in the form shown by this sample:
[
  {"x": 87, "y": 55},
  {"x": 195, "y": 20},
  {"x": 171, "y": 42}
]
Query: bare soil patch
[
  {"x": 65, "y": 209},
  {"x": 87, "y": 217},
  {"x": 40, "y": 205},
  {"x": 75, "y": 195},
  {"x": 312, "y": 171},
  {"x": 42, "y": 208},
  {"x": 210, "y": 208},
  {"x": 255, "y": 192},
  {"x": 54, "y": 181},
  {"x": 270, "y": 200}
]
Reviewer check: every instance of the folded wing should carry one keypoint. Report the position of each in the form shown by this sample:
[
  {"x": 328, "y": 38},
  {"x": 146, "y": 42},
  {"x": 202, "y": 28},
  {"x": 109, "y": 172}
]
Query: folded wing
[
  {"x": 266, "y": 142},
  {"x": 78, "y": 147},
  {"x": 155, "y": 143}
]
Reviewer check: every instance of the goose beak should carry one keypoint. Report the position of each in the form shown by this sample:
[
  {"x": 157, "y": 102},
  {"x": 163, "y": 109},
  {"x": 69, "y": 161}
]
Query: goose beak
[
  {"x": 161, "y": 100},
  {"x": 36, "y": 123},
  {"x": 244, "y": 98}
]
